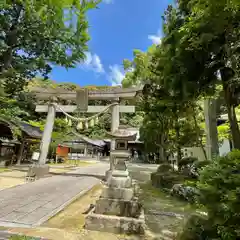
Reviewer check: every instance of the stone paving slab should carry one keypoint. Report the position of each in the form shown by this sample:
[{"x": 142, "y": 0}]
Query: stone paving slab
[
  {"x": 33, "y": 203},
  {"x": 98, "y": 170}
]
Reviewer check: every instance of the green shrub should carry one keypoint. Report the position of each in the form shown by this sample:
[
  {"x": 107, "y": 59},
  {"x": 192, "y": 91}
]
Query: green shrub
[
  {"x": 219, "y": 192},
  {"x": 184, "y": 192},
  {"x": 164, "y": 168},
  {"x": 198, "y": 228},
  {"x": 184, "y": 162},
  {"x": 196, "y": 167},
  {"x": 166, "y": 179},
  {"x": 200, "y": 164}
]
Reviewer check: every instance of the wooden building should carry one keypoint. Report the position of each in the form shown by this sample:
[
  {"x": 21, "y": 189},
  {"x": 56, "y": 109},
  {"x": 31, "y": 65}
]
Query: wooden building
[
  {"x": 80, "y": 146},
  {"x": 16, "y": 137}
]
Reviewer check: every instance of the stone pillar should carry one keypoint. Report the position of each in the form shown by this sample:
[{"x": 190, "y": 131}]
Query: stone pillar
[
  {"x": 114, "y": 126},
  {"x": 211, "y": 128},
  {"x": 47, "y": 134},
  {"x": 85, "y": 150},
  {"x": 20, "y": 153}
]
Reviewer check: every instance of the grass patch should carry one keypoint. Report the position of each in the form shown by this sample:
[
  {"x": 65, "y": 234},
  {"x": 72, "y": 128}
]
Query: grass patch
[
  {"x": 2, "y": 169},
  {"x": 155, "y": 200},
  {"x": 72, "y": 218},
  {"x": 168, "y": 202},
  {"x": 15, "y": 237}
]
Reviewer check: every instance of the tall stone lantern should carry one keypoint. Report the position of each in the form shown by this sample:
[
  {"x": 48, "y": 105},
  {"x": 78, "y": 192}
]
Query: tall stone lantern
[{"x": 118, "y": 209}]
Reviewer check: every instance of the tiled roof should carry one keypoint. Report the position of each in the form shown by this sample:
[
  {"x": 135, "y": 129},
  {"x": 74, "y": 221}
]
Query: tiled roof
[{"x": 31, "y": 131}]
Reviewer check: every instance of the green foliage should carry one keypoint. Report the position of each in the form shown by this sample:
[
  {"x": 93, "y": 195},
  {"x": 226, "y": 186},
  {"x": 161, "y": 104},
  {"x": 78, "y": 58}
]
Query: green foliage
[
  {"x": 36, "y": 34},
  {"x": 60, "y": 132},
  {"x": 164, "y": 168},
  {"x": 10, "y": 108},
  {"x": 184, "y": 162},
  {"x": 219, "y": 187},
  {"x": 137, "y": 71},
  {"x": 185, "y": 192},
  {"x": 167, "y": 179},
  {"x": 200, "y": 164},
  {"x": 183, "y": 69},
  {"x": 223, "y": 132},
  {"x": 20, "y": 237},
  {"x": 198, "y": 228}
]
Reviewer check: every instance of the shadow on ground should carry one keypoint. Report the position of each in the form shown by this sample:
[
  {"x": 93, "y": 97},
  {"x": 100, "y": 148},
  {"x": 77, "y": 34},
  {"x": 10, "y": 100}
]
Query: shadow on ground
[{"x": 101, "y": 177}]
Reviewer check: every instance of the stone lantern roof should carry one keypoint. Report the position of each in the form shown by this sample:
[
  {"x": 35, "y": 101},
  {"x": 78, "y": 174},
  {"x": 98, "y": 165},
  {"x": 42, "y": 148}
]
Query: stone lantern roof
[{"x": 122, "y": 133}]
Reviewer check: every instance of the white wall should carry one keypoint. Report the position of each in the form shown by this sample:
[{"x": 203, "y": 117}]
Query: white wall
[
  {"x": 196, "y": 152},
  {"x": 225, "y": 147}
]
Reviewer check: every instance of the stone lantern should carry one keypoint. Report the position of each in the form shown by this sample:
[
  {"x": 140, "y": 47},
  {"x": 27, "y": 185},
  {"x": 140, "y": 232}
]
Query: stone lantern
[
  {"x": 118, "y": 209},
  {"x": 120, "y": 176}
]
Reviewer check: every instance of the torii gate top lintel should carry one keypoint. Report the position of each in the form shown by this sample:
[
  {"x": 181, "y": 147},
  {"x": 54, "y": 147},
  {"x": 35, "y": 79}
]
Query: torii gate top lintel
[{"x": 101, "y": 94}]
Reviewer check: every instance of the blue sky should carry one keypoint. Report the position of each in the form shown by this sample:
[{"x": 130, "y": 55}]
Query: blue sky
[{"x": 117, "y": 27}]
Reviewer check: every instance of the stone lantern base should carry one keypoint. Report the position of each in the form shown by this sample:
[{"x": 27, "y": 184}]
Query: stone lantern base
[
  {"x": 118, "y": 209},
  {"x": 115, "y": 224}
]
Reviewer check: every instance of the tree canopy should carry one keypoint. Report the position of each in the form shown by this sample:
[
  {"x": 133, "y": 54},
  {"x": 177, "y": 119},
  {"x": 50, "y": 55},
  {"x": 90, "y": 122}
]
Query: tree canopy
[
  {"x": 199, "y": 52},
  {"x": 35, "y": 35}
]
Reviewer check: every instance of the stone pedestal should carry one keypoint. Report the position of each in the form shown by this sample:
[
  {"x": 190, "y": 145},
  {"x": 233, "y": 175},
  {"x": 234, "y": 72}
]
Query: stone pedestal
[
  {"x": 38, "y": 171},
  {"x": 115, "y": 224},
  {"x": 108, "y": 174},
  {"x": 118, "y": 209}
]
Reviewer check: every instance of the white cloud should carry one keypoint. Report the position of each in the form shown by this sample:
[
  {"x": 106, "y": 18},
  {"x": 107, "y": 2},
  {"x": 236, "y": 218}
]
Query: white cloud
[
  {"x": 116, "y": 75},
  {"x": 156, "y": 39},
  {"x": 107, "y": 1},
  {"x": 93, "y": 62}
]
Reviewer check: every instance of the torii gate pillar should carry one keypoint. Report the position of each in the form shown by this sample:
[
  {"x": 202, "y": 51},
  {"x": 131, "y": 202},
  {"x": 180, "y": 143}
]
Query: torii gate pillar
[
  {"x": 47, "y": 134},
  {"x": 114, "y": 126}
]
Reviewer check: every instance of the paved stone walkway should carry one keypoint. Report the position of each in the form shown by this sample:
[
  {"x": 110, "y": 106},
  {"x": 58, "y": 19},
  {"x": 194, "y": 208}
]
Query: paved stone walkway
[
  {"x": 33, "y": 203},
  {"x": 97, "y": 170}
]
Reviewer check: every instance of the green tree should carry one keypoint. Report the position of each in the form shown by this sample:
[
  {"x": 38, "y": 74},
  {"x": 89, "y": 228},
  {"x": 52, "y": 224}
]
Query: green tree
[
  {"x": 219, "y": 193},
  {"x": 206, "y": 48},
  {"x": 36, "y": 34}
]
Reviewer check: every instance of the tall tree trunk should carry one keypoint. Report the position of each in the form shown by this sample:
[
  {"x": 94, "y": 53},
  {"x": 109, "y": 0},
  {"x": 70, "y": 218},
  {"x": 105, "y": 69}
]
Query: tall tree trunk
[
  {"x": 179, "y": 152},
  {"x": 200, "y": 141},
  {"x": 162, "y": 152},
  {"x": 211, "y": 128},
  {"x": 231, "y": 111},
  {"x": 177, "y": 129}
]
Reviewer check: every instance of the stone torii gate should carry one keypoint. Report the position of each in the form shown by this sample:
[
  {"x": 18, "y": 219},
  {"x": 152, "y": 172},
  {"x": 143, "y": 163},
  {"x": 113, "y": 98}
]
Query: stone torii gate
[{"x": 114, "y": 94}]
